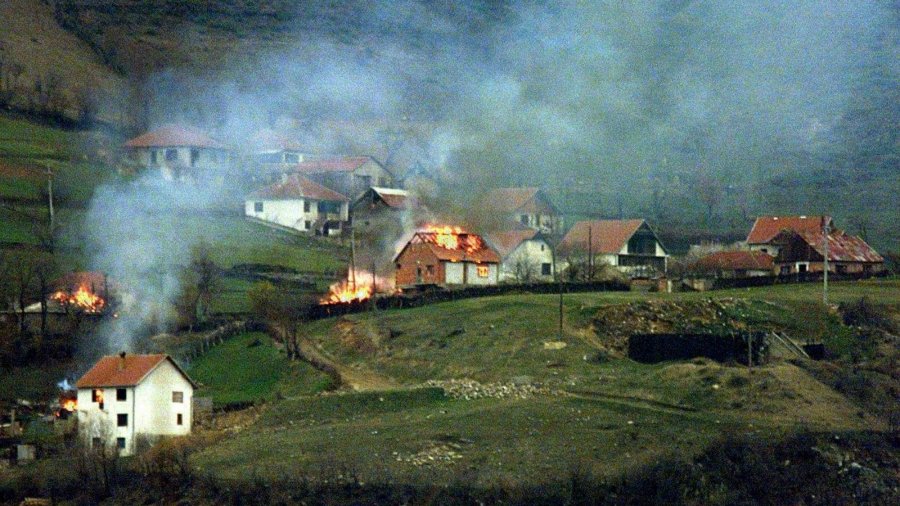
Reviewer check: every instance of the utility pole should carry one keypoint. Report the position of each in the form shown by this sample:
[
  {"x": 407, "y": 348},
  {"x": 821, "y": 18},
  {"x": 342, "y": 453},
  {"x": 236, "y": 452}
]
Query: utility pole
[
  {"x": 826, "y": 230},
  {"x": 590, "y": 267},
  {"x": 50, "y": 194},
  {"x": 352, "y": 258}
]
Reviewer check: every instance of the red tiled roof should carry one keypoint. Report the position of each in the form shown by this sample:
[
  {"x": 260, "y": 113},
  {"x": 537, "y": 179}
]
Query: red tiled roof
[
  {"x": 767, "y": 227},
  {"x": 115, "y": 371},
  {"x": 175, "y": 136},
  {"x": 736, "y": 260},
  {"x": 297, "y": 187},
  {"x": 486, "y": 254},
  {"x": 345, "y": 164},
  {"x": 507, "y": 241},
  {"x": 607, "y": 236},
  {"x": 842, "y": 247}
]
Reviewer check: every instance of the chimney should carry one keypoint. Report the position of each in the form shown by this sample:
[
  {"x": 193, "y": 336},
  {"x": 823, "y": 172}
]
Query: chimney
[{"x": 122, "y": 361}]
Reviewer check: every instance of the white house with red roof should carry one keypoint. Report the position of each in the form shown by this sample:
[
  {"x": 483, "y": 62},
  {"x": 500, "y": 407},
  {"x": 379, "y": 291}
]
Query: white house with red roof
[
  {"x": 629, "y": 245},
  {"x": 298, "y": 203},
  {"x": 349, "y": 175},
  {"x": 125, "y": 398},
  {"x": 275, "y": 150},
  {"x": 525, "y": 256},
  {"x": 181, "y": 153}
]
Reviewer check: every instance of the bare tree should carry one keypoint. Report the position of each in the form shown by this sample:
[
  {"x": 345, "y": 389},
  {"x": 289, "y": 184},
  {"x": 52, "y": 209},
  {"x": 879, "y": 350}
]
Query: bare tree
[
  {"x": 20, "y": 267},
  {"x": 525, "y": 268},
  {"x": 45, "y": 270},
  {"x": 199, "y": 281}
]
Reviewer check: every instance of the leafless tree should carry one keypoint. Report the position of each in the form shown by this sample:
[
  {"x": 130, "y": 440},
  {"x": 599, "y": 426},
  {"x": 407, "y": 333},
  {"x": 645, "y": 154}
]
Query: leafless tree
[
  {"x": 199, "y": 282},
  {"x": 45, "y": 270},
  {"x": 19, "y": 267},
  {"x": 525, "y": 269}
]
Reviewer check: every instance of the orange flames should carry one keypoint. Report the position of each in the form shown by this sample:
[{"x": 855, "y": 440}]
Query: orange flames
[
  {"x": 454, "y": 238},
  {"x": 344, "y": 291},
  {"x": 70, "y": 405},
  {"x": 83, "y": 299}
]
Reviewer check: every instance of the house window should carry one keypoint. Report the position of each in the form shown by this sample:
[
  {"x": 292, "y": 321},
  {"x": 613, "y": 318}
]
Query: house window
[
  {"x": 120, "y": 443},
  {"x": 121, "y": 394},
  {"x": 178, "y": 419},
  {"x": 96, "y": 442},
  {"x": 178, "y": 397},
  {"x": 195, "y": 155},
  {"x": 97, "y": 395},
  {"x": 329, "y": 207},
  {"x": 546, "y": 269},
  {"x": 307, "y": 225},
  {"x": 306, "y": 206},
  {"x": 765, "y": 250},
  {"x": 542, "y": 247},
  {"x": 257, "y": 207},
  {"x": 429, "y": 270},
  {"x": 153, "y": 157},
  {"x": 524, "y": 219},
  {"x": 802, "y": 268},
  {"x": 171, "y": 155},
  {"x": 365, "y": 181},
  {"x": 483, "y": 271},
  {"x": 122, "y": 420},
  {"x": 291, "y": 158}
]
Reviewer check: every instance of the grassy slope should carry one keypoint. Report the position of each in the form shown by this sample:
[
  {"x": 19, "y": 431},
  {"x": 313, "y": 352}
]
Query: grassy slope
[
  {"x": 248, "y": 368},
  {"x": 675, "y": 408}
]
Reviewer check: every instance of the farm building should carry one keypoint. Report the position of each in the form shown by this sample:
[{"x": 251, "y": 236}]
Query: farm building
[
  {"x": 126, "y": 398},
  {"x": 735, "y": 264},
  {"x": 377, "y": 205},
  {"x": 181, "y": 153},
  {"x": 629, "y": 245},
  {"x": 765, "y": 228},
  {"x": 529, "y": 207},
  {"x": 525, "y": 255},
  {"x": 804, "y": 251},
  {"x": 348, "y": 175},
  {"x": 299, "y": 204},
  {"x": 446, "y": 256}
]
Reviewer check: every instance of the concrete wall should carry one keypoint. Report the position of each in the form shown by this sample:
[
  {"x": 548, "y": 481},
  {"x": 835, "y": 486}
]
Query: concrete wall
[
  {"x": 155, "y": 411},
  {"x": 529, "y": 254},
  {"x": 290, "y": 213},
  {"x": 472, "y": 277},
  {"x": 454, "y": 273},
  {"x": 209, "y": 164}
]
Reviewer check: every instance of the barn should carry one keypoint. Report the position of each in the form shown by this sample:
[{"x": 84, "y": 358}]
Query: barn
[{"x": 446, "y": 256}]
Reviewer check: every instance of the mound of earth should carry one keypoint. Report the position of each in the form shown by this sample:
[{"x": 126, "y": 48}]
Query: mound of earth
[{"x": 614, "y": 324}]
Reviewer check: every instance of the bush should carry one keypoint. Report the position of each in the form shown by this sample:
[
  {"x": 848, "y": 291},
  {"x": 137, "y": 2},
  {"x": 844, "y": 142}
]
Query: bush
[{"x": 863, "y": 313}]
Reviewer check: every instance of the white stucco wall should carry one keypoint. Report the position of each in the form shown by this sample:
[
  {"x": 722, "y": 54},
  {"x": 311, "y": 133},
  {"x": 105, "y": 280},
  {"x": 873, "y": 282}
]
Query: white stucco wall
[
  {"x": 532, "y": 253},
  {"x": 94, "y": 422},
  {"x": 155, "y": 412},
  {"x": 209, "y": 162},
  {"x": 289, "y": 213},
  {"x": 453, "y": 274},
  {"x": 472, "y": 277}
]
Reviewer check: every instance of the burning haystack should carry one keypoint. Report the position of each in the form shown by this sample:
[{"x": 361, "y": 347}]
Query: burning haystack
[{"x": 446, "y": 256}]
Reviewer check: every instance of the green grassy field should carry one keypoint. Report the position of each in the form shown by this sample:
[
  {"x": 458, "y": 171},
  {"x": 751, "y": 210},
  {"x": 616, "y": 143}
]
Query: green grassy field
[
  {"x": 609, "y": 414},
  {"x": 248, "y": 368}
]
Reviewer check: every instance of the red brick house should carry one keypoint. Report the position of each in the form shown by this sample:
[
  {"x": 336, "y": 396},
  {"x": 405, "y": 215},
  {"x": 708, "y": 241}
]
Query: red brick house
[{"x": 446, "y": 258}]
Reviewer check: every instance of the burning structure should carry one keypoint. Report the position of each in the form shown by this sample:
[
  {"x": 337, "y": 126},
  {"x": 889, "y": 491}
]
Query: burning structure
[
  {"x": 444, "y": 255},
  {"x": 127, "y": 397}
]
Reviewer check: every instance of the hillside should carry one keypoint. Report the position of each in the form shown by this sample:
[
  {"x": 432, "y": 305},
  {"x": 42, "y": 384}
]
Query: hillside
[
  {"x": 533, "y": 406},
  {"x": 33, "y": 39}
]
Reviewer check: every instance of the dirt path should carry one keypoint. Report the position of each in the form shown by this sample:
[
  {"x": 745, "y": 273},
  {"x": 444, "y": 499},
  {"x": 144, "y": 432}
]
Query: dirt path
[
  {"x": 633, "y": 402},
  {"x": 356, "y": 378}
]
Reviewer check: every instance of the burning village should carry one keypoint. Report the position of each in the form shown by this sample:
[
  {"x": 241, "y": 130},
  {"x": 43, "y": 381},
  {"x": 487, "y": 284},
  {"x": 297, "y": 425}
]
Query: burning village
[{"x": 473, "y": 252}]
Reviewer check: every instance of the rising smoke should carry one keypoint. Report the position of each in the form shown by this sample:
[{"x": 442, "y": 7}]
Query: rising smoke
[{"x": 615, "y": 101}]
